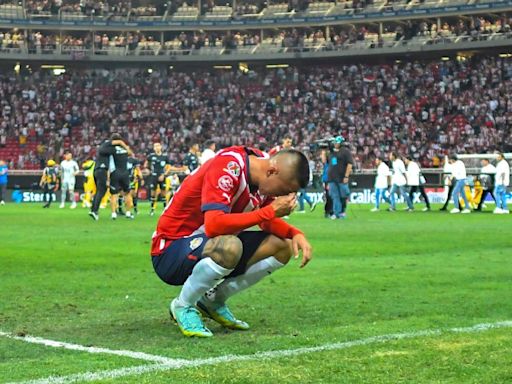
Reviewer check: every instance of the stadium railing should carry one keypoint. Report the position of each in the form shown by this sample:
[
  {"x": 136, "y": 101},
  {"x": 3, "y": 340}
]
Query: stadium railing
[{"x": 266, "y": 49}]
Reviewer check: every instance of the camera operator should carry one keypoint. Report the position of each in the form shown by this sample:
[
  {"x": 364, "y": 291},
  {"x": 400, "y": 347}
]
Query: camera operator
[{"x": 340, "y": 163}]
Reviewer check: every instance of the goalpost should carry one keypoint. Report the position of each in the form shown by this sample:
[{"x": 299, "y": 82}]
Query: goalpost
[{"x": 472, "y": 160}]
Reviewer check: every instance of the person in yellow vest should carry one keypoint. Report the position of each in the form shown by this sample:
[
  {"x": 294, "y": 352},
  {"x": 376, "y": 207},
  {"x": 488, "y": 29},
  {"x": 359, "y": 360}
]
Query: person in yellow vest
[
  {"x": 89, "y": 184},
  {"x": 106, "y": 198},
  {"x": 49, "y": 182},
  {"x": 136, "y": 180},
  {"x": 468, "y": 191}
]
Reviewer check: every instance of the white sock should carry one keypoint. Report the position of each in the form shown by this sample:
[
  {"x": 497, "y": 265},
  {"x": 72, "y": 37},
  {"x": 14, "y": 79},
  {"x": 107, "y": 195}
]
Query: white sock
[
  {"x": 63, "y": 196},
  {"x": 204, "y": 276},
  {"x": 254, "y": 273}
]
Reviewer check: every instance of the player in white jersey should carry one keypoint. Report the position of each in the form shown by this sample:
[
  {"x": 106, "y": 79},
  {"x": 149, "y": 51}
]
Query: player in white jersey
[{"x": 69, "y": 169}]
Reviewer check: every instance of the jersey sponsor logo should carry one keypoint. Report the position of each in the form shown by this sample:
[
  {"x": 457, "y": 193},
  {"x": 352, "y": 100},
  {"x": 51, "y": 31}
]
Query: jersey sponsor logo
[
  {"x": 225, "y": 183},
  {"x": 233, "y": 169},
  {"x": 228, "y": 198},
  {"x": 196, "y": 243}
]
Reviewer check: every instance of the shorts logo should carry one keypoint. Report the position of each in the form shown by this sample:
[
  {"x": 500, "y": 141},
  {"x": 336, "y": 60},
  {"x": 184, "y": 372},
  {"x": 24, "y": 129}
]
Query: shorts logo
[
  {"x": 225, "y": 183},
  {"x": 196, "y": 243},
  {"x": 233, "y": 169}
]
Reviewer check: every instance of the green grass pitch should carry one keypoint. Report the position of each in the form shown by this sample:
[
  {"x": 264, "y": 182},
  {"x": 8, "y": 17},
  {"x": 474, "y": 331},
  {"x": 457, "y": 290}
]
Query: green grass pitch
[{"x": 65, "y": 277}]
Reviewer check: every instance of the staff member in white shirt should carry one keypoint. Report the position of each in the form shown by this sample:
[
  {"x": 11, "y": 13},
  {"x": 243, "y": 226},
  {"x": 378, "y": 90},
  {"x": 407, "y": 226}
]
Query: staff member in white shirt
[
  {"x": 398, "y": 182},
  {"x": 381, "y": 183},
  {"x": 415, "y": 181},
  {"x": 208, "y": 152},
  {"x": 501, "y": 183},
  {"x": 486, "y": 178},
  {"x": 69, "y": 169},
  {"x": 459, "y": 178}
]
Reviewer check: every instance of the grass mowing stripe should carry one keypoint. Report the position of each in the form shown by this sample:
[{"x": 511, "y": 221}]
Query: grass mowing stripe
[
  {"x": 83, "y": 348},
  {"x": 100, "y": 375},
  {"x": 182, "y": 363}
]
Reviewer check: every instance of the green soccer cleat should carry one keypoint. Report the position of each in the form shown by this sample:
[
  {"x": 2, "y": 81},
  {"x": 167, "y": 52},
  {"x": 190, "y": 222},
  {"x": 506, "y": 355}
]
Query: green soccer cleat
[
  {"x": 189, "y": 320},
  {"x": 221, "y": 315}
]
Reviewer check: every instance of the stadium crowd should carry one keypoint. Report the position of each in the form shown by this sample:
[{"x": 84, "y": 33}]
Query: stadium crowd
[{"x": 424, "y": 110}]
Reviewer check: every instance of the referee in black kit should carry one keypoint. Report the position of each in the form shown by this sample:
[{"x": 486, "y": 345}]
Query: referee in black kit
[{"x": 103, "y": 156}]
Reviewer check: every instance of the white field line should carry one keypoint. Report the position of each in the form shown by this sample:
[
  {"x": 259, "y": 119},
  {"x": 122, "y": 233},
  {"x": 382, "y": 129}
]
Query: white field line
[
  {"x": 182, "y": 363},
  {"x": 83, "y": 348}
]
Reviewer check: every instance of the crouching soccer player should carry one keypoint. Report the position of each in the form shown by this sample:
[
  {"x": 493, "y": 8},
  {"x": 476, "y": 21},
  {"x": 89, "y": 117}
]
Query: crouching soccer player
[{"x": 201, "y": 240}]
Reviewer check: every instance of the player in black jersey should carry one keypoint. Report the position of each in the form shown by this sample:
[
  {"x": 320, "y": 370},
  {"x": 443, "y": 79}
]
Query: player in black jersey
[
  {"x": 103, "y": 155},
  {"x": 191, "y": 159},
  {"x": 157, "y": 162},
  {"x": 120, "y": 179}
]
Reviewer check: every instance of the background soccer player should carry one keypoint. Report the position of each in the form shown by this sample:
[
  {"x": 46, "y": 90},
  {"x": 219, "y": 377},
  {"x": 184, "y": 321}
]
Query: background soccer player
[
  {"x": 191, "y": 159},
  {"x": 120, "y": 179},
  {"x": 200, "y": 238},
  {"x": 209, "y": 151},
  {"x": 104, "y": 152},
  {"x": 157, "y": 162},
  {"x": 69, "y": 169}
]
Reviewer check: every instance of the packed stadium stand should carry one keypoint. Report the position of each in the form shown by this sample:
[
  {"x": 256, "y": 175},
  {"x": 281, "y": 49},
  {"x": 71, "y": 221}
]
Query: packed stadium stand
[{"x": 421, "y": 77}]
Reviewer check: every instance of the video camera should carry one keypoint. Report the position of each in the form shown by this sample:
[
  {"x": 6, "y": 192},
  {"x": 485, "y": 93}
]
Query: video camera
[{"x": 327, "y": 143}]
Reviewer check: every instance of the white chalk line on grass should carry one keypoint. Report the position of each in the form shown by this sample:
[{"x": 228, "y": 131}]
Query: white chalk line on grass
[
  {"x": 83, "y": 348},
  {"x": 171, "y": 364}
]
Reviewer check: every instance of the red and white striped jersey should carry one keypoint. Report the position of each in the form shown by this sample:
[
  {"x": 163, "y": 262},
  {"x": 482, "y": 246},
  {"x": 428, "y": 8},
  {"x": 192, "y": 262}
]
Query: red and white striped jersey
[{"x": 222, "y": 183}]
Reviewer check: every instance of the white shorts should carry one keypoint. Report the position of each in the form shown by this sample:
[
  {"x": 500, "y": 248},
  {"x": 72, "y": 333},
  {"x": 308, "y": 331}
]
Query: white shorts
[{"x": 68, "y": 185}]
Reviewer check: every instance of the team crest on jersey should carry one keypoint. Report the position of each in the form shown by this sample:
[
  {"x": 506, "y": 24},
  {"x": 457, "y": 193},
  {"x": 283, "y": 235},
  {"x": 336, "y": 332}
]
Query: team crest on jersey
[
  {"x": 196, "y": 243},
  {"x": 233, "y": 169},
  {"x": 225, "y": 183}
]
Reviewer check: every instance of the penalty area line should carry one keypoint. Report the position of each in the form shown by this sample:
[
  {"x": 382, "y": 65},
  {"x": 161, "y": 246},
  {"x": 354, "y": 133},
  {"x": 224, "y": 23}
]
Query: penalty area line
[{"x": 173, "y": 364}]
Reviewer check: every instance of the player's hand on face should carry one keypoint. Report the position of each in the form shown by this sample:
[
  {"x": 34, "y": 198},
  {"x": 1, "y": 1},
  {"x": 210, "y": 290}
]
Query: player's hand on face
[
  {"x": 284, "y": 205},
  {"x": 299, "y": 243}
]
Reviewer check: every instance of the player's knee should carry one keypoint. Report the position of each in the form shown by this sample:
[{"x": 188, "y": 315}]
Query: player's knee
[
  {"x": 284, "y": 250},
  {"x": 231, "y": 251},
  {"x": 224, "y": 250}
]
